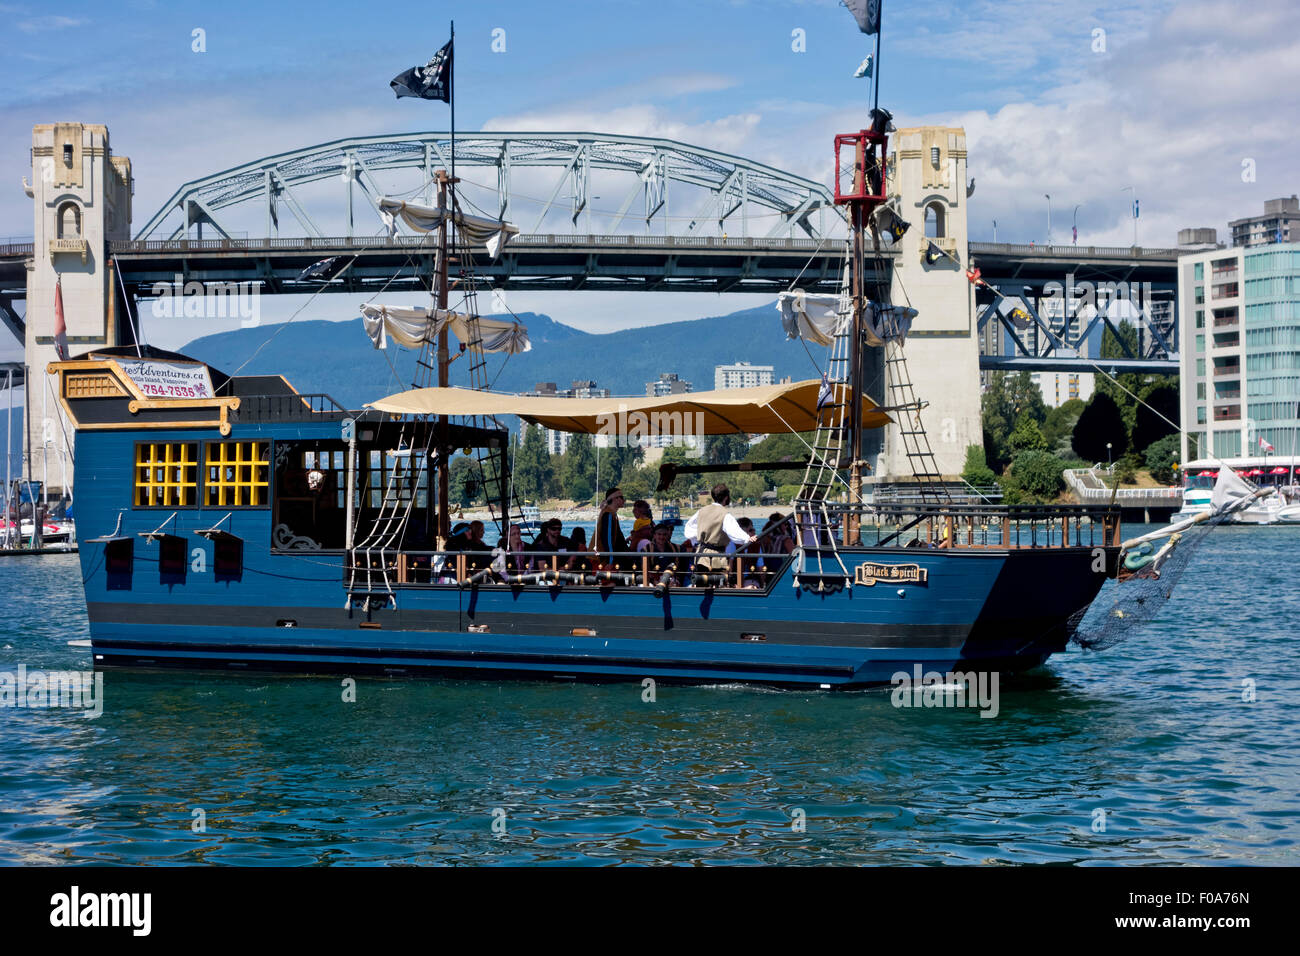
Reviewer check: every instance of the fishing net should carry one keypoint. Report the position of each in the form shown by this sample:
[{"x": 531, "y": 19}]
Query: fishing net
[{"x": 1147, "y": 573}]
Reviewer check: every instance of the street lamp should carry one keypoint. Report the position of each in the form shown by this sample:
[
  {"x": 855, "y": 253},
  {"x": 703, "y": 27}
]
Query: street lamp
[
  {"x": 1049, "y": 219},
  {"x": 1108, "y": 456},
  {"x": 1074, "y": 225}
]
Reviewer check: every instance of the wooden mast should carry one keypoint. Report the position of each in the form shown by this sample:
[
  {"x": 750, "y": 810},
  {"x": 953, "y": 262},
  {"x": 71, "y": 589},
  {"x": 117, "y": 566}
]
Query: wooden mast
[
  {"x": 444, "y": 452},
  {"x": 852, "y": 519}
]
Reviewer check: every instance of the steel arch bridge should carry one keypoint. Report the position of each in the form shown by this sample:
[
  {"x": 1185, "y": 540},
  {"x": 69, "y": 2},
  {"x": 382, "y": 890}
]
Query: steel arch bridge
[{"x": 710, "y": 190}]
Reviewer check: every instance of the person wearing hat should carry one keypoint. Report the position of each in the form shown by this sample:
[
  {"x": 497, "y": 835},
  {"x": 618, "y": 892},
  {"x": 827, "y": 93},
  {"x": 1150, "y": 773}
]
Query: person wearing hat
[
  {"x": 549, "y": 541},
  {"x": 610, "y": 542}
]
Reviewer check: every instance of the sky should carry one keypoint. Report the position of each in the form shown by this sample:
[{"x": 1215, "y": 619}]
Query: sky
[{"x": 1191, "y": 104}]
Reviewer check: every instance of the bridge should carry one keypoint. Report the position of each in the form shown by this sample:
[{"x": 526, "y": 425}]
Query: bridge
[{"x": 687, "y": 219}]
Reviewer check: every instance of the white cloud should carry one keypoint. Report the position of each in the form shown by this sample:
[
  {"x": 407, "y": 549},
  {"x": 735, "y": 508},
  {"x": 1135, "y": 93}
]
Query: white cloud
[{"x": 45, "y": 24}]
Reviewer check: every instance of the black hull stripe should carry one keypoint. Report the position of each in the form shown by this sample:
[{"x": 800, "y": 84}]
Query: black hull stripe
[{"x": 560, "y": 662}]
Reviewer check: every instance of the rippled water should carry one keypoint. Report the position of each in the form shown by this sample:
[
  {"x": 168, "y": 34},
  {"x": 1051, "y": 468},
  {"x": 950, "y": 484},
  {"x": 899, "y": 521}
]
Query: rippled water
[{"x": 1154, "y": 732}]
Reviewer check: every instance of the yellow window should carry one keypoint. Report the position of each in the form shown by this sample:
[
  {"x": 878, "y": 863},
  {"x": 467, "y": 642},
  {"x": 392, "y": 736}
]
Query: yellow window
[
  {"x": 238, "y": 474},
  {"x": 166, "y": 474}
]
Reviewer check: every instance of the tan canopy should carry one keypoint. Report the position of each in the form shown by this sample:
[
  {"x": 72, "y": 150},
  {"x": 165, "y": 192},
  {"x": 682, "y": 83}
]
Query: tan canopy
[{"x": 763, "y": 409}]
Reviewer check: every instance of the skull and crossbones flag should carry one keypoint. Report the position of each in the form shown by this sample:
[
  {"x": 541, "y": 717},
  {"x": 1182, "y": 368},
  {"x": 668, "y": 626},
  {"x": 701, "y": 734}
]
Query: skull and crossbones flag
[{"x": 429, "y": 82}]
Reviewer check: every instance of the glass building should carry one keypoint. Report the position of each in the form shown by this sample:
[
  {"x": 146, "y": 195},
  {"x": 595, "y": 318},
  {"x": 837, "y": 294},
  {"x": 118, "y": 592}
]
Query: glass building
[{"x": 1239, "y": 309}]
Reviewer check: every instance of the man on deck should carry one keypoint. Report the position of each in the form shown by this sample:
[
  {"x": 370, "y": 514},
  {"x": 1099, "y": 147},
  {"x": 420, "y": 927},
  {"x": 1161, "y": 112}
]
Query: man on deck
[{"x": 712, "y": 528}]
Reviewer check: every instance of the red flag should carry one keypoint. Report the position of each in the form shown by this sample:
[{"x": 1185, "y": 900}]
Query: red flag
[
  {"x": 1264, "y": 445},
  {"x": 60, "y": 326}
]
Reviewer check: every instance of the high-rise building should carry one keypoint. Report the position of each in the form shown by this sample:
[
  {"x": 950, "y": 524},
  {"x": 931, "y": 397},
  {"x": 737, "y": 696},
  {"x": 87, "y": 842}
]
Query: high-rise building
[
  {"x": 557, "y": 442},
  {"x": 742, "y": 375},
  {"x": 668, "y": 384},
  {"x": 1280, "y": 223},
  {"x": 1239, "y": 311}
]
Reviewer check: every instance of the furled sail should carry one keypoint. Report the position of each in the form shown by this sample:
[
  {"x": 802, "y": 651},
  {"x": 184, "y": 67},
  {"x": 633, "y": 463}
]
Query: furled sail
[
  {"x": 493, "y": 233},
  {"x": 413, "y": 327},
  {"x": 884, "y": 323},
  {"x": 815, "y": 318}
]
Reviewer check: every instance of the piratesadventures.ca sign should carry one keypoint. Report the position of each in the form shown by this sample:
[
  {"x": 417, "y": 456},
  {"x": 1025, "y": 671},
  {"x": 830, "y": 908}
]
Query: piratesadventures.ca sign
[
  {"x": 168, "y": 379},
  {"x": 869, "y": 573}
]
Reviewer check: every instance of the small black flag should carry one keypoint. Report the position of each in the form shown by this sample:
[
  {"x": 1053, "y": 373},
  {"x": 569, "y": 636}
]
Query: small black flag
[{"x": 429, "y": 82}]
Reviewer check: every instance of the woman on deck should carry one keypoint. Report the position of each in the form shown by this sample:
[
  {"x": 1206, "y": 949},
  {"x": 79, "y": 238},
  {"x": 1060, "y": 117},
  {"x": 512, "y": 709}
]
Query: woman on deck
[{"x": 580, "y": 558}]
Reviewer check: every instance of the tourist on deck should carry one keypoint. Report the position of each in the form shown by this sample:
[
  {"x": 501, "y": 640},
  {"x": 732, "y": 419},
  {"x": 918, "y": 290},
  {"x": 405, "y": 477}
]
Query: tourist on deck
[
  {"x": 610, "y": 542},
  {"x": 664, "y": 566},
  {"x": 643, "y": 525},
  {"x": 549, "y": 542},
  {"x": 580, "y": 559},
  {"x": 518, "y": 560},
  {"x": 777, "y": 537},
  {"x": 711, "y": 529},
  {"x": 752, "y": 570}
]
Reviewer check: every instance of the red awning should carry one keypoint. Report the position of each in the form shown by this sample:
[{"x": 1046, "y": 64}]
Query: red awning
[
  {"x": 1254, "y": 473},
  {"x": 1206, "y": 474},
  {"x": 1279, "y": 470}
]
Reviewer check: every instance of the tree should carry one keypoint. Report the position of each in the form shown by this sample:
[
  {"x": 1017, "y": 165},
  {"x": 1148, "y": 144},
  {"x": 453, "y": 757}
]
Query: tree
[
  {"x": 617, "y": 461},
  {"x": 1038, "y": 474},
  {"x": 534, "y": 471},
  {"x": 724, "y": 449},
  {"x": 1153, "y": 418},
  {"x": 577, "y": 470},
  {"x": 1007, "y": 397},
  {"x": 1026, "y": 436},
  {"x": 463, "y": 481},
  {"x": 786, "y": 446},
  {"x": 1161, "y": 456},
  {"x": 977, "y": 472},
  {"x": 1100, "y": 423},
  {"x": 1060, "y": 423}
]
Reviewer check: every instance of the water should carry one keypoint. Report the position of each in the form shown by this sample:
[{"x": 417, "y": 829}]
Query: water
[{"x": 1154, "y": 732}]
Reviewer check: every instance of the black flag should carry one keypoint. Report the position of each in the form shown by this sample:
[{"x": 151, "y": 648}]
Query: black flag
[
  {"x": 429, "y": 82},
  {"x": 867, "y": 13},
  {"x": 325, "y": 269}
]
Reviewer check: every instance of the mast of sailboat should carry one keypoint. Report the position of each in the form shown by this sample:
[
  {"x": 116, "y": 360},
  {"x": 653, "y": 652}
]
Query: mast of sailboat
[
  {"x": 444, "y": 359},
  {"x": 446, "y": 188},
  {"x": 855, "y": 355},
  {"x": 856, "y": 290}
]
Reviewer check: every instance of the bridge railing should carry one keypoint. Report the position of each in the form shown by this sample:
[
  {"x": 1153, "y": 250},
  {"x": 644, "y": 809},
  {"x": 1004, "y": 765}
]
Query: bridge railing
[
  {"x": 1071, "y": 252},
  {"x": 9, "y": 248},
  {"x": 334, "y": 243}
]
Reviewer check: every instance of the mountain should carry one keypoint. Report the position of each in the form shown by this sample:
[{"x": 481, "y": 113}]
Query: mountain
[{"x": 337, "y": 358}]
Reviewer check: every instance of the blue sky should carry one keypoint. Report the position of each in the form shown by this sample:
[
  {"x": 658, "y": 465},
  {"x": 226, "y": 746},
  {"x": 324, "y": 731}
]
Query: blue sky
[{"x": 1176, "y": 100}]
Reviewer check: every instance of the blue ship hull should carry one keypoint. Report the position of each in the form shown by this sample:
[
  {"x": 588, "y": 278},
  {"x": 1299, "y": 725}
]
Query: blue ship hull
[{"x": 995, "y": 609}]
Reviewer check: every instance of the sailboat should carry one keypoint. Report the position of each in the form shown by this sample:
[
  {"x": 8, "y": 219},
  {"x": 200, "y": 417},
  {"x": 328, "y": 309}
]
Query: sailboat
[{"x": 257, "y": 527}]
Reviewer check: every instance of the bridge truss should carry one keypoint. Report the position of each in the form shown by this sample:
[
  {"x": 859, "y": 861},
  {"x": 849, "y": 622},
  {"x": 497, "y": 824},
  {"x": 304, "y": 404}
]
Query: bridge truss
[{"x": 712, "y": 193}]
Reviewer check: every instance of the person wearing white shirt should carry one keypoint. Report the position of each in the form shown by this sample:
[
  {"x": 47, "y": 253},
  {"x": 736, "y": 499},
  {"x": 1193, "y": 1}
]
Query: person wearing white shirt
[{"x": 711, "y": 529}]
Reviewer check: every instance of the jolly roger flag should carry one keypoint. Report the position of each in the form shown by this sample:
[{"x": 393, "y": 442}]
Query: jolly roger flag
[
  {"x": 429, "y": 82},
  {"x": 867, "y": 13}
]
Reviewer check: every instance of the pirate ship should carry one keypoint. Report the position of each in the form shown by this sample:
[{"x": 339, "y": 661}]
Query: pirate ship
[{"x": 235, "y": 522}]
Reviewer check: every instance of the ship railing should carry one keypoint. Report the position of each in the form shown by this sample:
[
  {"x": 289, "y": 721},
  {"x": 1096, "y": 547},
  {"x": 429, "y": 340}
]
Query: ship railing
[
  {"x": 978, "y": 526},
  {"x": 298, "y": 407},
  {"x": 658, "y": 571}
]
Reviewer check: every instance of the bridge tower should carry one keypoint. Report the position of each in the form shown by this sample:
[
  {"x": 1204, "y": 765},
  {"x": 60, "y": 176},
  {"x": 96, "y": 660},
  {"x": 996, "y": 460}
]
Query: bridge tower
[
  {"x": 927, "y": 172},
  {"x": 81, "y": 194}
]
